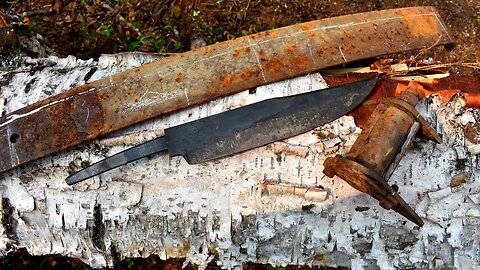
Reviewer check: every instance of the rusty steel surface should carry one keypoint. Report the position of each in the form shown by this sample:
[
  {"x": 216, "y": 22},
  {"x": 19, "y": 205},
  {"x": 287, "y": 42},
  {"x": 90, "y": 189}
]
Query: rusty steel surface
[
  {"x": 365, "y": 166},
  {"x": 190, "y": 78}
]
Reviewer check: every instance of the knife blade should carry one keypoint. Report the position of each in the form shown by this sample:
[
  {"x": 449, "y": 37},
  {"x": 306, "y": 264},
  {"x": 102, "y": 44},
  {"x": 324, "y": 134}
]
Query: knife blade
[{"x": 243, "y": 128}]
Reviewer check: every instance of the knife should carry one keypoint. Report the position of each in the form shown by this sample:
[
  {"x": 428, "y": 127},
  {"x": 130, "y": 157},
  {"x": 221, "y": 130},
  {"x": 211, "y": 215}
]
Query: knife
[{"x": 243, "y": 128}]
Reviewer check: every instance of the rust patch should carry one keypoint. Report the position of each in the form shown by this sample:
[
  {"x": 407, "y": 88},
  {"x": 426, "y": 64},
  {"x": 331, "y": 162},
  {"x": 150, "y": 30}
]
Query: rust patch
[
  {"x": 247, "y": 74},
  {"x": 301, "y": 62},
  {"x": 236, "y": 54},
  {"x": 35, "y": 136},
  {"x": 180, "y": 77},
  {"x": 227, "y": 79},
  {"x": 313, "y": 36},
  {"x": 291, "y": 49},
  {"x": 274, "y": 66},
  {"x": 307, "y": 26},
  {"x": 423, "y": 27},
  {"x": 459, "y": 179},
  {"x": 215, "y": 91},
  {"x": 62, "y": 133},
  {"x": 472, "y": 132},
  {"x": 263, "y": 55},
  {"x": 103, "y": 96}
]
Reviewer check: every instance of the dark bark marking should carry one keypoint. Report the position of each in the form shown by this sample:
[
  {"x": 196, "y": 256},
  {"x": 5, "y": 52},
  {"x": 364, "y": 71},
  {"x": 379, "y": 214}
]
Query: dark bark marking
[
  {"x": 98, "y": 229},
  {"x": 90, "y": 74},
  {"x": 9, "y": 221}
]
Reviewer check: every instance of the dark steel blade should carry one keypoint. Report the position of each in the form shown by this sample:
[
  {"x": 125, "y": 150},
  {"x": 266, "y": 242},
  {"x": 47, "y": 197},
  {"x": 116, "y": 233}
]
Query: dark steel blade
[
  {"x": 244, "y": 128},
  {"x": 264, "y": 122}
]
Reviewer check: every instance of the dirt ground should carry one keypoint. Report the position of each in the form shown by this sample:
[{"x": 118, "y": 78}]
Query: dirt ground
[
  {"x": 88, "y": 28},
  {"x": 22, "y": 260}
]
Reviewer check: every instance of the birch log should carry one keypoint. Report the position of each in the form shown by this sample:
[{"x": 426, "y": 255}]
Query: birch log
[{"x": 268, "y": 205}]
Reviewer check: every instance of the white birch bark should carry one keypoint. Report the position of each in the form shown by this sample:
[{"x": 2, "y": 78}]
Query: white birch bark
[{"x": 263, "y": 206}]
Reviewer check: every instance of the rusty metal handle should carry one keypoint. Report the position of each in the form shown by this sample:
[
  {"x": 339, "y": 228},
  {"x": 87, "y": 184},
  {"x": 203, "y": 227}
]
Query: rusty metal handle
[{"x": 380, "y": 146}]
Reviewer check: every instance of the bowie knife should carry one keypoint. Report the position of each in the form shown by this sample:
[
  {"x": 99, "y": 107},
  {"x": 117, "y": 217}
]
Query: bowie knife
[{"x": 243, "y": 128}]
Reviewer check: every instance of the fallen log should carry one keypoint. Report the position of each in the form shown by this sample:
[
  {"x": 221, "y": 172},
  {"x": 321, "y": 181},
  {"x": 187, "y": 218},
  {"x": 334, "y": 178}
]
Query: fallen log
[{"x": 268, "y": 205}]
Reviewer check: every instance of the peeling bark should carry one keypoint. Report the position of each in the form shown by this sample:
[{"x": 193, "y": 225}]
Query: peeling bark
[
  {"x": 9, "y": 221},
  {"x": 220, "y": 210}
]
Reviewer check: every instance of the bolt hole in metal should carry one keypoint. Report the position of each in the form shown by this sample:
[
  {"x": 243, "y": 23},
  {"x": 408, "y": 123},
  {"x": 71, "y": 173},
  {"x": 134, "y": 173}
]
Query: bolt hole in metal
[{"x": 14, "y": 138}]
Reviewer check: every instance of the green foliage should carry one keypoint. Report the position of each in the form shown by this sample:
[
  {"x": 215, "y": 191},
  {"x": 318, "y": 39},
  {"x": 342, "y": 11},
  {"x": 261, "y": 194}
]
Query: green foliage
[
  {"x": 84, "y": 3},
  {"x": 84, "y": 30},
  {"x": 218, "y": 32},
  {"x": 169, "y": 27},
  {"x": 270, "y": 267},
  {"x": 32, "y": 28},
  {"x": 134, "y": 44},
  {"x": 107, "y": 30},
  {"x": 160, "y": 44},
  {"x": 212, "y": 34},
  {"x": 176, "y": 11},
  {"x": 178, "y": 46},
  {"x": 478, "y": 19},
  {"x": 205, "y": 27},
  {"x": 130, "y": 263},
  {"x": 227, "y": 13}
]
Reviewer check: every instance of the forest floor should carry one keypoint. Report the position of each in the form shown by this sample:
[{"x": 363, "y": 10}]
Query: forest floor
[{"x": 89, "y": 28}]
